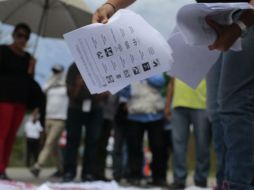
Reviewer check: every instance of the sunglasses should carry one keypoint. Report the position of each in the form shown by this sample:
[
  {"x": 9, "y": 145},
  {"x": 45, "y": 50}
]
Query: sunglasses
[{"x": 22, "y": 35}]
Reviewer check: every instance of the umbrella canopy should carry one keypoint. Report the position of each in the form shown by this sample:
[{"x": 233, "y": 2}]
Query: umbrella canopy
[{"x": 47, "y": 18}]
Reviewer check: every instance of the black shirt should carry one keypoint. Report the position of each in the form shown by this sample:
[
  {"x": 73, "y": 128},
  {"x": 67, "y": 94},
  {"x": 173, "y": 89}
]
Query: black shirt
[
  {"x": 76, "y": 95},
  {"x": 14, "y": 77}
]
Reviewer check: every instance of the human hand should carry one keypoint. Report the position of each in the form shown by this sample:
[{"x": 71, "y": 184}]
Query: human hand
[
  {"x": 226, "y": 35},
  {"x": 79, "y": 82},
  {"x": 103, "y": 96},
  {"x": 167, "y": 113},
  {"x": 103, "y": 13},
  {"x": 31, "y": 66}
]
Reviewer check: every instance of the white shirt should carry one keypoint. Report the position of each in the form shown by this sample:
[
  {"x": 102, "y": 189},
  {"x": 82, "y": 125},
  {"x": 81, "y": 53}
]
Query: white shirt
[
  {"x": 33, "y": 130},
  {"x": 57, "y": 103}
]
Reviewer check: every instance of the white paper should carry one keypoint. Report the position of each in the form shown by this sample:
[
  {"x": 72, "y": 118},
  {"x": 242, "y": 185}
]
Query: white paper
[
  {"x": 192, "y": 25},
  {"x": 191, "y": 63},
  {"x": 126, "y": 49},
  {"x": 98, "y": 185},
  {"x": 15, "y": 185}
]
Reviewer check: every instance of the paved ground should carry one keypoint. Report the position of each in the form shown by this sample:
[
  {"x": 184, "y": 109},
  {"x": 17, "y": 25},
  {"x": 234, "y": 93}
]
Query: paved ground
[{"x": 24, "y": 175}]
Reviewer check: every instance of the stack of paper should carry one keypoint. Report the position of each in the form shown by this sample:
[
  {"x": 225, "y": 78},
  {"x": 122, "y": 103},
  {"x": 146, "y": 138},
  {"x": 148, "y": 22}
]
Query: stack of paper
[
  {"x": 191, "y": 21},
  {"x": 113, "y": 55},
  {"x": 191, "y": 37}
]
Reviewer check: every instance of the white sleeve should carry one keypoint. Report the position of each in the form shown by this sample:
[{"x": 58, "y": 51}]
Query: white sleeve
[{"x": 39, "y": 127}]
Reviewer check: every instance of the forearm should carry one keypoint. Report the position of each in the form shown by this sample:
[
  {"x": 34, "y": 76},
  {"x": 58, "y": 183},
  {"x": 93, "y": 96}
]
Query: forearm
[
  {"x": 170, "y": 92},
  {"x": 120, "y": 4}
]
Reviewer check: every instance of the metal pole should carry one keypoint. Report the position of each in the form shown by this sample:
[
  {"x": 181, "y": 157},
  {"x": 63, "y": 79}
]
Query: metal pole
[{"x": 41, "y": 23}]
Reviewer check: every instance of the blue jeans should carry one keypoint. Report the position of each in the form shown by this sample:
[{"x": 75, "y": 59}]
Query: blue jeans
[
  {"x": 235, "y": 130},
  {"x": 212, "y": 83},
  {"x": 181, "y": 119}
]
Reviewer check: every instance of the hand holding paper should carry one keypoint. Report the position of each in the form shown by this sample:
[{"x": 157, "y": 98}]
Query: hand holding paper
[{"x": 113, "y": 55}]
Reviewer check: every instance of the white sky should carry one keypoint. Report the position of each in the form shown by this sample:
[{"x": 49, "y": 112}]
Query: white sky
[{"x": 159, "y": 13}]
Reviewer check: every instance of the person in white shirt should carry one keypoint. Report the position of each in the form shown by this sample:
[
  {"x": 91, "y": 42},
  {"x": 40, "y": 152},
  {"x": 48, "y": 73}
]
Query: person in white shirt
[
  {"x": 56, "y": 113},
  {"x": 33, "y": 131}
]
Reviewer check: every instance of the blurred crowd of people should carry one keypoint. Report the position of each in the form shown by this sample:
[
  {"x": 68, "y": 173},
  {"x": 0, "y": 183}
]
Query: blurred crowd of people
[
  {"x": 160, "y": 108},
  {"x": 63, "y": 111}
]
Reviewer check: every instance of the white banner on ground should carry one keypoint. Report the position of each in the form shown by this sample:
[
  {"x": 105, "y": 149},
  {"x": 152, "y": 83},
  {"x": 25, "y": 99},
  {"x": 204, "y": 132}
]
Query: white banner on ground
[
  {"x": 89, "y": 186},
  {"x": 14, "y": 185}
]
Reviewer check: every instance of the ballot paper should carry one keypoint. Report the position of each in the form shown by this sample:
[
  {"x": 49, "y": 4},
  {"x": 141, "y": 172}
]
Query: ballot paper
[
  {"x": 191, "y": 21},
  {"x": 191, "y": 63},
  {"x": 113, "y": 55}
]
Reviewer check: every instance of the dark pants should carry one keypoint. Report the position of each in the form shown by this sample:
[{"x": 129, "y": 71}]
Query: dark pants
[
  {"x": 120, "y": 155},
  {"x": 93, "y": 122},
  {"x": 102, "y": 148},
  {"x": 135, "y": 133},
  {"x": 168, "y": 147},
  {"x": 32, "y": 150}
]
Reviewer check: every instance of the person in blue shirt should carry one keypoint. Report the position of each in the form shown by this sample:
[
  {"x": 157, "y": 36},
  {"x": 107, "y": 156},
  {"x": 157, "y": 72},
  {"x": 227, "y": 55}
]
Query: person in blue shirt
[{"x": 145, "y": 106}]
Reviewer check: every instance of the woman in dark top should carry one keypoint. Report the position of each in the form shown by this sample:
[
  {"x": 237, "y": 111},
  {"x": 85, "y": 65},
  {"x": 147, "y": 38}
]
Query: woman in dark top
[{"x": 16, "y": 71}]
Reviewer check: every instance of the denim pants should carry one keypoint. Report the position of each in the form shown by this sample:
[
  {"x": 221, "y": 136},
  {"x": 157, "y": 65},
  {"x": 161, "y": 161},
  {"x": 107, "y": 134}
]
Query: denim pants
[
  {"x": 233, "y": 136},
  {"x": 212, "y": 83},
  {"x": 181, "y": 119},
  {"x": 75, "y": 121}
]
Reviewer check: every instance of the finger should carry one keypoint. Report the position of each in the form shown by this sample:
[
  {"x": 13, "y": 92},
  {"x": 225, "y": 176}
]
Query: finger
[
  {"x": 94, "y": 19},
  {"x": 99, "y": 19},
  {"x": 214, "y": 25},
  {"x": 211, "y": 47},
  {"x": 104, "y": 21},
  {"x": 217, "y": 46}
]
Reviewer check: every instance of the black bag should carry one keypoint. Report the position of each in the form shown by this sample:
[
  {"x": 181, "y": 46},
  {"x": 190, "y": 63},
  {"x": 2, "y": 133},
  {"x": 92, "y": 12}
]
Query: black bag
[{"x": 36, "y": 99}]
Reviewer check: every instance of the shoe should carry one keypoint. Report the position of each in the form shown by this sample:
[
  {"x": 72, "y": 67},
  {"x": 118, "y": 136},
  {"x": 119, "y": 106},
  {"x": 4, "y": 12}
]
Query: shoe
[
  {"x": 176, "y": 186},
  {"x": 35, "y": 171},
  {"x": 202, "y": 184},
  {"x": 117, "y": 179},
  {"x": 88, "y": 177},
  {"x": 158, "y": 183},
  {"x": 140, "y": 182},
  {"x": 3, "y": 176},
  {"x": 57, "y": 174},
  {"x": 102, "y": 178},
  {"x": 68, "y": 177}
]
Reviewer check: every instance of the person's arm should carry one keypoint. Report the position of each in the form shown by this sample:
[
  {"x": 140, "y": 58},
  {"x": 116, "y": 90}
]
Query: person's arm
[
  {"x": 31, "y": 66},
  {"x": 105, "y": 11},
  {"x": 169, "y": 97},
  {"x": 227, "y": 34}
]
